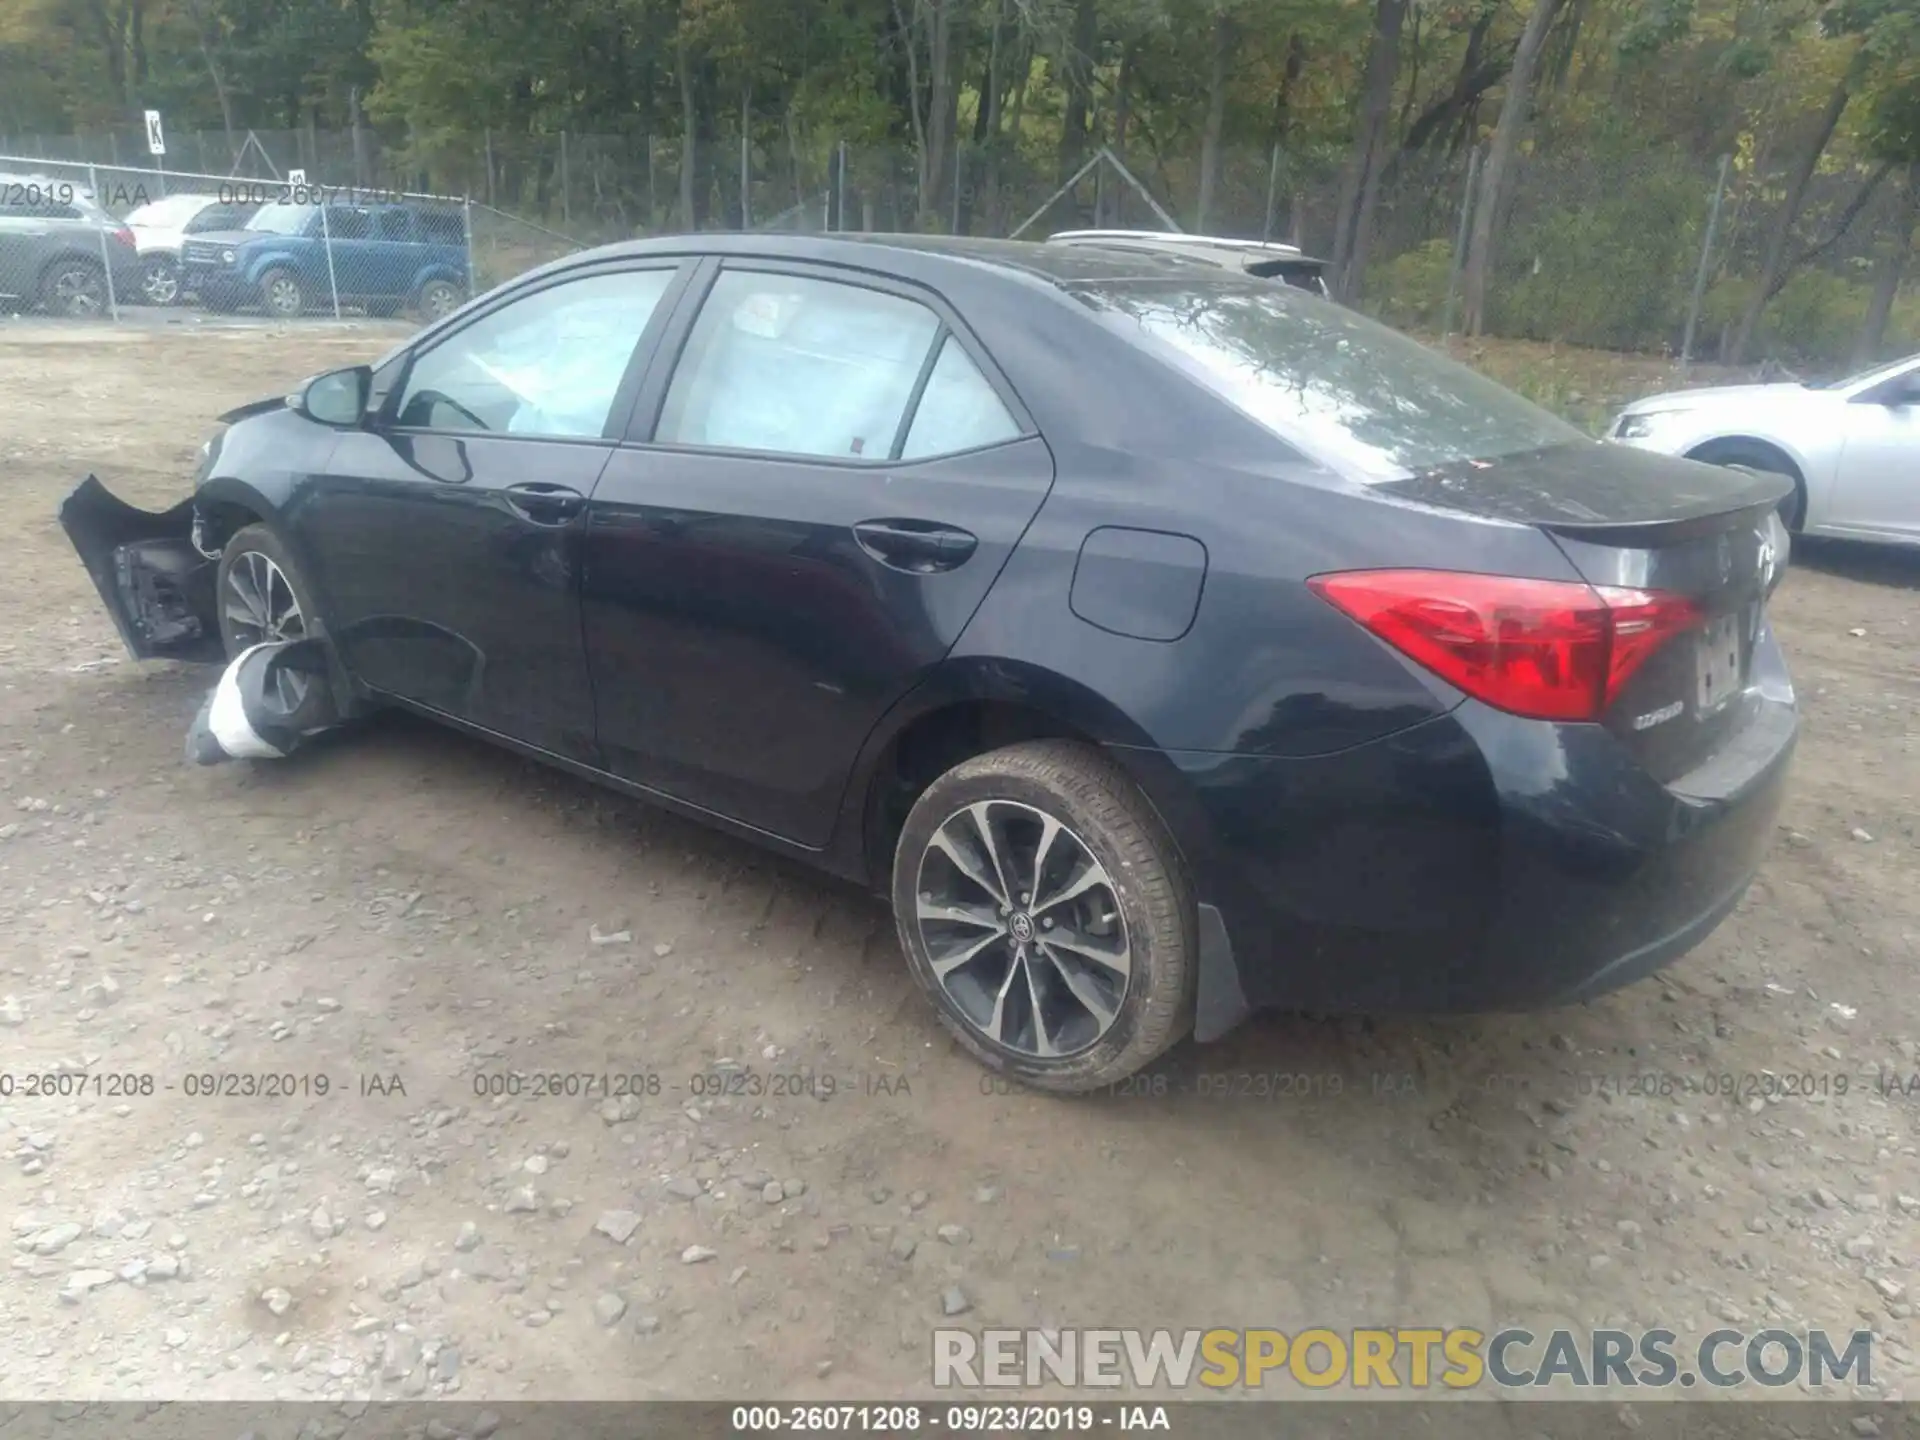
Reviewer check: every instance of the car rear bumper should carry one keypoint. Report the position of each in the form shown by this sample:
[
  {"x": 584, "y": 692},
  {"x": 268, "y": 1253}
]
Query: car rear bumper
[{"x": 1475, "y": 861}]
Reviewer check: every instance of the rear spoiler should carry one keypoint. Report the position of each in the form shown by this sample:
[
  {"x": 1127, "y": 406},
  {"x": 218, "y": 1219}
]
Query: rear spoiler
[{"x": 1593, "y": 490}]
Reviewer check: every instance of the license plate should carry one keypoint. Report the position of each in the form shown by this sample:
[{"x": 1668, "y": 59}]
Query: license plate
[{"x": 1719, "y": 657}]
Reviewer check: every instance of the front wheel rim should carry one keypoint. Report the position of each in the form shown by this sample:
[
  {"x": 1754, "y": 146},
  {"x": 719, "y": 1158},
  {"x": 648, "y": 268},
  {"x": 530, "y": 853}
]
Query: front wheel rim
[
  {"x": 260, "y": 607},
  {"x": 284, "y": 296},
  {"x": 1022, "y": 929},
  {"x": 440, "y": 300}
]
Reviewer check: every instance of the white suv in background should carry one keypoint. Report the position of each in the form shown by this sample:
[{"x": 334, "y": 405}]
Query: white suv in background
[{"x": 161, "y": 226}]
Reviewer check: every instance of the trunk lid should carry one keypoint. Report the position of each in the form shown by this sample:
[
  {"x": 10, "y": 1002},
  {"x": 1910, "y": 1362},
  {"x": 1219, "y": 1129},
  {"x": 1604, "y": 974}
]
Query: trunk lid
[{"x": 1642, "y": 521}]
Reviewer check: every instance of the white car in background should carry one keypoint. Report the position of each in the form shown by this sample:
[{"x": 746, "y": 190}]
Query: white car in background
[
  {"x": 1852, "y": 447},
  {"x": 160, "y": 228}
]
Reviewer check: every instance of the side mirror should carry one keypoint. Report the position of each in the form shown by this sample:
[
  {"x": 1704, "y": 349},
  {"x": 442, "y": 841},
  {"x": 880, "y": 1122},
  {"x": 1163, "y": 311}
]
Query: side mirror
[{"x": 337, "y": 398}]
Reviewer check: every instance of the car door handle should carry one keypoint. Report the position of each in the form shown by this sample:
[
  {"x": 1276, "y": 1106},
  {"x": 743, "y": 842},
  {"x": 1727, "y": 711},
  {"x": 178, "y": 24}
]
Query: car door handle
[
  {"x": 545, "y": 504},
  {"x": 919, "y": 546}
]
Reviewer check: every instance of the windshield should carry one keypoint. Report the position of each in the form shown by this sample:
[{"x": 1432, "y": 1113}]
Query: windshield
[
  {"x": 1868, "y": 377},
  {"x": 1349, "y": 391},
  {"x": 174, "y": 210},
  {"x": 282, "y": 219}
]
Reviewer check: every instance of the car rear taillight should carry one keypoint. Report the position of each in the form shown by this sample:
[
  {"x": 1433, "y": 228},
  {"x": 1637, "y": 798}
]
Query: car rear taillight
[
  {"x": 124, "y": 236},
  {"x": 1546, "y": 649}
]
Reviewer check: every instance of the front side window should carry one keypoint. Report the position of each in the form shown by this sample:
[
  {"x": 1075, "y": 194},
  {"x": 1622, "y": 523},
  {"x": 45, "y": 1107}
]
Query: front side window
[
  {"x": 344, "y": 223},
  {"x": 797, "y": 366},
  {"x": 548, "y": 364},
  {"x": 1347, "y": 390}
]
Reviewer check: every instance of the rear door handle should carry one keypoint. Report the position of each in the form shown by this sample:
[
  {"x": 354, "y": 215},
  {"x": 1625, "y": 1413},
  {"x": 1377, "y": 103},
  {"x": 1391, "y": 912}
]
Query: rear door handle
[
  {"x": 920, "y": 547},
  {"x": 545, "y": 504}
]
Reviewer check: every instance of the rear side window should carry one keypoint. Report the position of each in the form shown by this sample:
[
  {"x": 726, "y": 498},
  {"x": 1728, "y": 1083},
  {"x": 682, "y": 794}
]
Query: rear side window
[
  {"x": 396, "y": 225},
  {"x": 1352, "y": 393},
  {"x": 958, "y": 410},
  {"x": 348, "y": 224},
  {"x": 797, "y": 366}
]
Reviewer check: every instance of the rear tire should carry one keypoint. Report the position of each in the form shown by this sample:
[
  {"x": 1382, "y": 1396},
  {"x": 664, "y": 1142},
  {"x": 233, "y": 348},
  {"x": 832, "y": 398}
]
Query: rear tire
[
  {"x": 437, "y": 298},
  {"x": 1754, "y": 456},
  {"x": 74, "y": 287},
  {"x": 1087, "y": 972}
]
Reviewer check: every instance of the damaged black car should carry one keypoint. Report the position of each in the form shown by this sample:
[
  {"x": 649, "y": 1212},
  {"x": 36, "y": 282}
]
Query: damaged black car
[{"x": 1165, "y": 643}]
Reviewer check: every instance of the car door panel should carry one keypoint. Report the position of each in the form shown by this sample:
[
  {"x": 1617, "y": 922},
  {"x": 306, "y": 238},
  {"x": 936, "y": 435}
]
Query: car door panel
[
  {"x": 750, "y": 616},
  {"x": 1877, "y": 488},
  {"x": 743, "y": 641},
  {"x": 441, "y": 591},
  {"x": 448, "y": 535}
]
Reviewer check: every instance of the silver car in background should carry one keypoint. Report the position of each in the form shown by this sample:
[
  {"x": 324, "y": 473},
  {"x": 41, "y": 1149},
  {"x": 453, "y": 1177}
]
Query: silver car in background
[
  {"x": 59, "y": 249},
  {"x": 1852, "y": 447}
]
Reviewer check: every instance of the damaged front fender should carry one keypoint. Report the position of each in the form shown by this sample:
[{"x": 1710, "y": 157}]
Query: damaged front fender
[{"x": 155, "y": 581}]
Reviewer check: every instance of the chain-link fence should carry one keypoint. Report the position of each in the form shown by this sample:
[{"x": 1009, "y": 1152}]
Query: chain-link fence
[{"x": 1615, "y": 246}]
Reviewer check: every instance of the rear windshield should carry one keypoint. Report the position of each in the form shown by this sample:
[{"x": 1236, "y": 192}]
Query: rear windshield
[{"x": 1350, "y": 392}]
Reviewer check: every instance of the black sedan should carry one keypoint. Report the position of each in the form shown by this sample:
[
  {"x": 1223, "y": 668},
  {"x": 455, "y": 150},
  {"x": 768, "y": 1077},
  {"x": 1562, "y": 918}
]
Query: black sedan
[{"x": 1168, "y": 643}]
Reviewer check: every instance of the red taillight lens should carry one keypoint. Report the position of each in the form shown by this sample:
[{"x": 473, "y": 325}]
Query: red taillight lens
[
  {"x": 124, "y": 236},
  {"x": 1546, "y": 649}
]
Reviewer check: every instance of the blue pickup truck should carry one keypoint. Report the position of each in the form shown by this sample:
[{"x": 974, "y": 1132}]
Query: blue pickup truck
[{"x": 292, "y": 259}]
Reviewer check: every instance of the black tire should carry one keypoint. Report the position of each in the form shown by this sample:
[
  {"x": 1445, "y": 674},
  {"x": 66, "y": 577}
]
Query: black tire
[
  {"x": 1754, "y": 456},
  {"x": 282, "y": 295},
  {"x": 436, "y": 298},
  {"x": 160, "y": 281},
  {"x": 75, "y": 287},
  {"x": 241, "y": 553},
  {"x": 1101, "y": 808}
]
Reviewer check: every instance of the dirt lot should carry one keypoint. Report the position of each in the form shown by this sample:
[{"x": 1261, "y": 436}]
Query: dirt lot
[{"x": 414, "y": 907}]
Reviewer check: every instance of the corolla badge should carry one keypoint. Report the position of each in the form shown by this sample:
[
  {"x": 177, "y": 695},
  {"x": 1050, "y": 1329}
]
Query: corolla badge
[{"x": 1658, "y": 717}]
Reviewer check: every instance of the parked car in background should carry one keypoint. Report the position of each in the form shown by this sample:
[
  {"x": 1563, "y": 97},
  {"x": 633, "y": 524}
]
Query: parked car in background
[
  {"x": 1394, "y": 692},
  {"x": 1266, "y": 258},
  {"x": 160, "y": 228},
  {"x": 1851, "y": 446},
  {"x": 60, "y": 250},
  {"x": 292, "y": 259}
]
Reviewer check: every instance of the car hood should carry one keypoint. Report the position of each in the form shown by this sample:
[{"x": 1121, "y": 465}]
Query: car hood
[
  {"x": 1729, "y": 397},
  {"x": 227, "y": 237}
]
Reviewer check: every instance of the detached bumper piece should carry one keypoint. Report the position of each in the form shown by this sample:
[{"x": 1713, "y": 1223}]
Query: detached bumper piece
[
  {"x": 154, "y": 580},
  {"x": 270, "y": 701}
]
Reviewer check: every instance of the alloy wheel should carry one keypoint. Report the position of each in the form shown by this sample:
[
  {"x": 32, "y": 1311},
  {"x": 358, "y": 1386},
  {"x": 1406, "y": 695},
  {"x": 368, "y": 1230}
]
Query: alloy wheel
[
  {"x": 1023, "y": 929},
  {"x": 260, "y": 607},
  {"x": 160, "y": 283},
  {"x": 283, "y": 295},
  {"x": 79, "y": 291},
  {"x": 438, "y": 298}
]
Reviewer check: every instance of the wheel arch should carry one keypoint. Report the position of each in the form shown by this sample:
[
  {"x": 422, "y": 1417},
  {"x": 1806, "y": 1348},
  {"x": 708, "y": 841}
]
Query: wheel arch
[
  {"x": 967, "y": 708},
  {"x": 1710, "y": 450}
]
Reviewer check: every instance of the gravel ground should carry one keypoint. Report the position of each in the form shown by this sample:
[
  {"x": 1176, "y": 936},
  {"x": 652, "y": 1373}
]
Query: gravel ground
[{"x": 413, "y": 917}]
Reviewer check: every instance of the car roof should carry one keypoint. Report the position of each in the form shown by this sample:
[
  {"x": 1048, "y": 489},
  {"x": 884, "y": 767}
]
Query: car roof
[{"x": 1058, "y": 266}]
